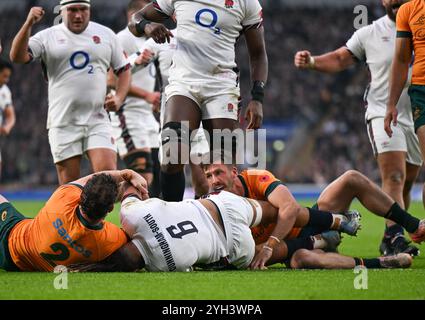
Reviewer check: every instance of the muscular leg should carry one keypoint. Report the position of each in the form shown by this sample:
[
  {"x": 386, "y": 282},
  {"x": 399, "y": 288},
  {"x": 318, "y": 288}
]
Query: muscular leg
[
  {"x": 220, "y": 124},
  {"x": 68, "y": 170},
  {"x": 102, "y": 159},
  {"x": 421, "y": 136},
  {"x": 178, "y": 109},
  {"x": 392, "y": 166},
  {"x": 155, "y": 187},
  {"x": 352, "y": 184},
  {"x": 412, "y": 172},
  {"x": 317, "y": 259}
]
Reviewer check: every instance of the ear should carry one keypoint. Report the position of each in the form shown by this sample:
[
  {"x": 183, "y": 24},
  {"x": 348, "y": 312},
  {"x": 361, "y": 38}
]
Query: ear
[{"x": 235, "y": 170}]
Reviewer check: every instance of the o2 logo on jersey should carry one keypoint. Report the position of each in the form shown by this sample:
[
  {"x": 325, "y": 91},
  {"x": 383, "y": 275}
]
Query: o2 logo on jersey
[
  {"x": 208, "y": 18},
  {"x": 80, "y": 60}
]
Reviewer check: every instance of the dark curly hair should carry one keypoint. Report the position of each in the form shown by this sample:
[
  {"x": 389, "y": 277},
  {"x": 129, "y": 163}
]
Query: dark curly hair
[{"x": 98, "y": 196}]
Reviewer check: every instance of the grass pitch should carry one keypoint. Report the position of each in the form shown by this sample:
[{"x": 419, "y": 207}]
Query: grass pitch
[{"x": 274, "y": 284}]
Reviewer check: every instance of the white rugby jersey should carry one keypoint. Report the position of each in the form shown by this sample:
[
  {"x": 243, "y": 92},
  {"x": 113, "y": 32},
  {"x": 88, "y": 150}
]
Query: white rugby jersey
[
  {"x": 76, "y": 68},
  {"x": 207, "y": 31},
  {"x": 143, "y": 77},
  {"x": 172, "y": 236},
  {"x": 375, "y": 45},
  {"x": 5, "y": 100},
  {"x": 164, "y": 52}
]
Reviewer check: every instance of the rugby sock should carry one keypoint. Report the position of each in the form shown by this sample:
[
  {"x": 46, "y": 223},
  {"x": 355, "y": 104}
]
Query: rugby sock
[
  {"x": 398, "y": 215},
  {"x": 298, "y": 243},
  {"x": 393, "y": 231},
  {"x": 172, "y": 186},
  {"x": 155, "y": 187},
  {"x": 368, "y": 263},
  {"x": 320, "y": 220}
]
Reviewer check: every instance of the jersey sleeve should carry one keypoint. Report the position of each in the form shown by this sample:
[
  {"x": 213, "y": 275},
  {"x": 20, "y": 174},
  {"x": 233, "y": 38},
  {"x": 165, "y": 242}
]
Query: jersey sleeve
[
  {"x": 119, "y": 61},
  {"x": 356, "y": 44},
  {"x": 151, "y": 45},
  {"x": 402, "y": 21},
  {"x": 263, "y": 182},
  {"x": 253, "y": 13},
  {"x": 127, "y": 44},
  {"x": 164, "y": 6},
  {"x": 36, "y": 46}
]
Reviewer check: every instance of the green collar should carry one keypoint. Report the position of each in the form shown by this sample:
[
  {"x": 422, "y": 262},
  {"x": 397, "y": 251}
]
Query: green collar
[
  {"x": 245, "y": 187},
  {"x": 86, "y": 223}
]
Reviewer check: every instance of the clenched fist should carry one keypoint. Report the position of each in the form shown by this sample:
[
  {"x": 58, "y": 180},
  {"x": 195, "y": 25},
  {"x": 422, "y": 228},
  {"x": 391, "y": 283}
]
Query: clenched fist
[
  {"x": 303, "y": 60},
  {"x": 35, "y": 15}
]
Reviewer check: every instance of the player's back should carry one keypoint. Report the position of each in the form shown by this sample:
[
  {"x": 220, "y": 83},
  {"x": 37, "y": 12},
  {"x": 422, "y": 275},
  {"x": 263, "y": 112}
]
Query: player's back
[
  {"x": 172, "y": 236},
  {"x": 59, "y": 235}
]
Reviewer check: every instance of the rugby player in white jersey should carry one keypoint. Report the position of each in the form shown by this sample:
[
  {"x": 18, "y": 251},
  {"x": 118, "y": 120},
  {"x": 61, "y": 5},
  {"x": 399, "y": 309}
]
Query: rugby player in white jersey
[
  {"x": 399, "y": 158},
  {"x": 163, "y": 55},
  {"x": 76, "y": 56},
  {"x": 203, "y": 84},
  {"x": 7, "y": 111},
  {"x": 135, "y": 128}
]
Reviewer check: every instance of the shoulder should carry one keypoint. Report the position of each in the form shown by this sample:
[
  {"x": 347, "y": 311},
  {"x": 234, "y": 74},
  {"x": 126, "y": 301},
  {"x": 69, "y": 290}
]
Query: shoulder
[
  {"x": 407, "y": 8},
  {"x": 97, "y": 27},
  {"x": 367, "y": 30},
  {"x": 46, "y": 33},
  {"x": 67, "y": 192},
  {"x": 258, "y": 173},
  {"x": 4, "y": 90},
  {"x": 124, "y": 33}
]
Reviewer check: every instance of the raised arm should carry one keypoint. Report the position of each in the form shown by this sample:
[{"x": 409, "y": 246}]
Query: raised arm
[
  {"x": 330, "y": 62},
  {"x": 126, "y": 175},
  {"x": 19, "y": 52},
  {"x": 147, "y": 21}
]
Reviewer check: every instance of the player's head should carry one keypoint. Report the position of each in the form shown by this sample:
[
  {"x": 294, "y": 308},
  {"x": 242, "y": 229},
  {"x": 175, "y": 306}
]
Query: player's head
[
  {"x": 220, "y": 172},
  {"x": 75, "y": 14},
  {"x": 98, "y": 196},
  {"x": 5, "y": 71},
  {"x": 134, "y": 6},
  {"x": 392, "y": 6}
]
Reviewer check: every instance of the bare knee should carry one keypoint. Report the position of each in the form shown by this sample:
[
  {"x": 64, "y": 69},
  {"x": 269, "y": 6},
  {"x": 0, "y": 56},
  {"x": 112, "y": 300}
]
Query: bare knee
[
  {"x": 353, "y": 179},
  {"x": 304, "y": 258}
]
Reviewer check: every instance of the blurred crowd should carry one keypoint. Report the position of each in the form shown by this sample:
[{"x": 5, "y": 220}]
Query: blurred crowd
[{"x": 330, "y": 104}]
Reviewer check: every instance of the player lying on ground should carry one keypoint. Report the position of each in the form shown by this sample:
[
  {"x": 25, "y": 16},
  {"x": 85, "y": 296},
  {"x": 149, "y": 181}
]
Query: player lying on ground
[
  {"x": 337, "y": 197},
  {"x": 212, "y": 233},
  {"x": 70, "y": 228}
]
